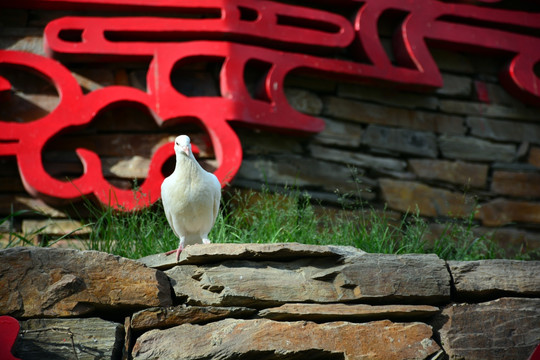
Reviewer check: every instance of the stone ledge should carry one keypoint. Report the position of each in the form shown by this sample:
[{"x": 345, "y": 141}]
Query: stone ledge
[
  {"x": 267, "y": 339},
  {"x": 503, "y": 329},
  {"x": 246, "y": 300},
  {"x": 488, "y": 279},
  {"x": 212, "y": 253},
  {"x": 166, "y": 317},
  {"x": 348, "y": 312},
  {"x": 92, "y": 338},
  {"x": 47, "y": 282},
  {"x": 410, "y": 279}
]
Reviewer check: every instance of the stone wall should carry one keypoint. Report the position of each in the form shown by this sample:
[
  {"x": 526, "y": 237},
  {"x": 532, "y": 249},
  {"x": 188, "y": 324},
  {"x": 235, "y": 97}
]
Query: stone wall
[
  {"x": 444, "y": 152},
  {"x": 271, "y": 301}
]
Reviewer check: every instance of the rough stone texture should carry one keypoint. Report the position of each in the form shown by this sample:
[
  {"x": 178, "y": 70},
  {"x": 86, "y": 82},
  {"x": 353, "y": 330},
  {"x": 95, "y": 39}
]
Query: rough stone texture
[
  {"x": 516, "y": 167},
  {"x": 534, "y": 156},
  {"x": 165, "y": 317},
  {"x": 302, "y": 171},
  {"x": 135, "y": 167},
  {"x": 268, "y": 301},
  {"x": 522, "y": 150},
  {"x": 376, "y": 114},
  {"x": 54, "y": 227},
  {"x": 498, "y": 95},
  {"x": 32, "y": 44},
  {"x": 506, "y": 328},
  {"x": 455, "y": 172},
  {"x": 40, "y": 206},
  {"x": 345, "y": 312},
  {"x": 500, "y": 212},
  {"x": 340, "y": 133},
  {"x": 453, "y": 85},
  {"x": 357, "y": 159},
  {"x": 514, "y": 240},
  {"x": 407, "y": 196},
  {"x": 468, "y": 148},
  {"x": 402, "y": 140},
  {"x": 407, "y": 278},
  {"x": 504, "y": 130},
  {"x": 481, "y": 279},
  {"x": 386, "y": 96},
  {"x": 255, "y": 143},
  {"x": 213, "y": 253},
  {"x": 91, "y": 79},
  {"x": 304, "y": 101},
  {"x": 522, "y": 184},
  {"x": 66, "y": 282},
  {"x": 267, "y": 339},
  {"x": 83, "y": 339},
  {"x": 113, "y": 145},
  {"x": 34, "y": 98},
  {"x": 489, "y": 110}
]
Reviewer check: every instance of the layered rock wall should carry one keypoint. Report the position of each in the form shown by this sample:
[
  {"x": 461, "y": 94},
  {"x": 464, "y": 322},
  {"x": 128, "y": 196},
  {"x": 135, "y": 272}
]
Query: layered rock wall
[{"x": 276, "y": 301}]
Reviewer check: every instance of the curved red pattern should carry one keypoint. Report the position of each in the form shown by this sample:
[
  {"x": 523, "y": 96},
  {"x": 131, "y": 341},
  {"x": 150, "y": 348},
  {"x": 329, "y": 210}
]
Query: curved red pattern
[
  {"x": 281, "y": 24},
  {"x": 27, "y": 140},
  {"x": 9, "y": 329},
  {"x": 284, "y": 30}
]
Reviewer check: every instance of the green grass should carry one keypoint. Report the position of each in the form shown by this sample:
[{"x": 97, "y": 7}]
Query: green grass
[
  {"x": 14, "y": 238},
  {"x": 265, "y": 217}
]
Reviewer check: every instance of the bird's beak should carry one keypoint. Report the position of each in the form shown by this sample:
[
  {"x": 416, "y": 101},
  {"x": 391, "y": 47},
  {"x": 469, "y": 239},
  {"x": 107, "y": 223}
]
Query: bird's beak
[{"x": 185, "y": 149}]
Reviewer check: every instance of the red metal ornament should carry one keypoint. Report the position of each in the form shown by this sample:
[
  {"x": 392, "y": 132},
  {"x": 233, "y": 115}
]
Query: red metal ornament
[
  {"x": 263, "y": 33},
  {"x": 27, "y": 140},
  {"x": 9, "y": 329}
]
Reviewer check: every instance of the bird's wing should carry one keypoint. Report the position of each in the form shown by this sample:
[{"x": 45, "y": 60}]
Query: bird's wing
[
  {"x": 210, "y": 202},
  {"x": 217, "y": 198},
  {"x": 165, "y": 200},
  {"x": 171, "y": 224}
]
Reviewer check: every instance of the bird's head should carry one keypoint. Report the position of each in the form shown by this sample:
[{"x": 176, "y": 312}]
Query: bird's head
[{"x": 182, "y": 145}]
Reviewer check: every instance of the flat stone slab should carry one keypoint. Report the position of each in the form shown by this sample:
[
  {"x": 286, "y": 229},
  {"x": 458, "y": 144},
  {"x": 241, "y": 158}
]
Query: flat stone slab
[
  {"x": 212, "y": 253},
  {"x": 83, "y": 339},
  {"x": 345, "y": 312},
  {"x": 267, "y": 339},
  {"x": 53, "y": 282},
  {"x": 409, "y": 279},
  {"x": 503, "y": 329},
  {"x": 484, "y": 279},
  {"x": 166, "y": 317}
]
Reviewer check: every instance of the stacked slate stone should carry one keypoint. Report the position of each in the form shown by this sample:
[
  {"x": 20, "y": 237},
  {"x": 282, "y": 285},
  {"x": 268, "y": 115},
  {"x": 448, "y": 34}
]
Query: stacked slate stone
[{"x": 268, "y": 301}]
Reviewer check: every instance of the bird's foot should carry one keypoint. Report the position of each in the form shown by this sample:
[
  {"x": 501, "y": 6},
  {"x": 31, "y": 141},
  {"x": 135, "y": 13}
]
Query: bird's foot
[
  {"x": 206, "y": 241},
  {"x": 177, "y": 251}
]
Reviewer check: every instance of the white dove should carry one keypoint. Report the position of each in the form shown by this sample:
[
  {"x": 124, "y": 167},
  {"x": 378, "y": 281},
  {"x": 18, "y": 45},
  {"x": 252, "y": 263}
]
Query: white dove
[{"x": 190, "y": 197}]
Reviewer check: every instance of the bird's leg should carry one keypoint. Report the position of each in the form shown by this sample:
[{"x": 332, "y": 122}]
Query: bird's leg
[
  {"x": 179, "y": 250},
  {"x": 180, "y": 247}
]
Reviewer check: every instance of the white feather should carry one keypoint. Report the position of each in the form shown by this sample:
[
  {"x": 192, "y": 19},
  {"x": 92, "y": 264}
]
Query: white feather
[{"x": 190, "y": 197}]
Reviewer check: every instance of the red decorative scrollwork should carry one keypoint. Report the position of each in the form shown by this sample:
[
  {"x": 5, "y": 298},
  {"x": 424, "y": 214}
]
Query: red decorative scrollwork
[
  {"x": 9, "y": 329},
  {"x": 284, "y": 39}
]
